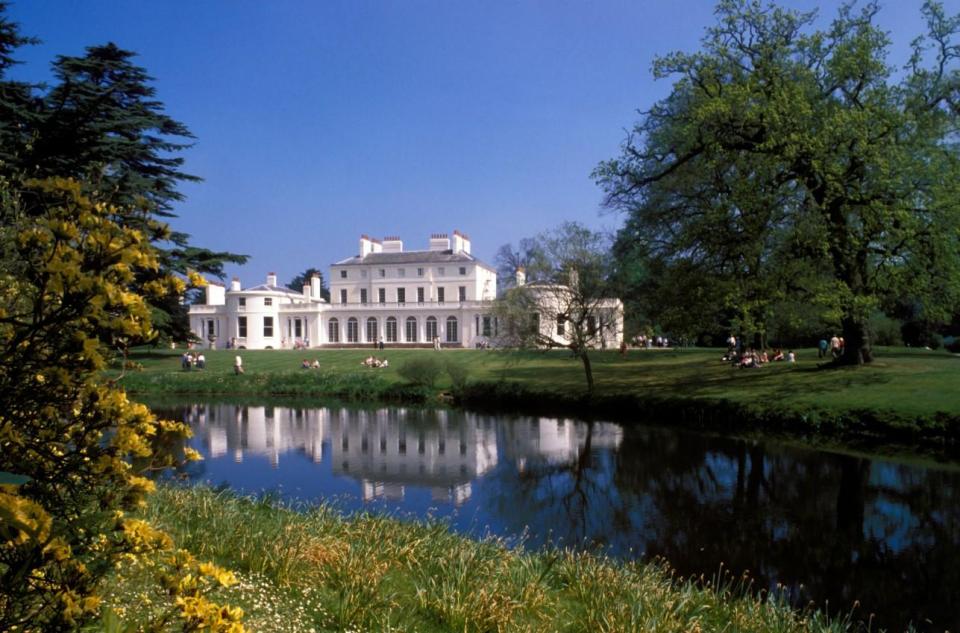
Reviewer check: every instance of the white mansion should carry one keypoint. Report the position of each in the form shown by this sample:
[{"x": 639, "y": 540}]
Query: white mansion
[{"x": 402, "y": 298}]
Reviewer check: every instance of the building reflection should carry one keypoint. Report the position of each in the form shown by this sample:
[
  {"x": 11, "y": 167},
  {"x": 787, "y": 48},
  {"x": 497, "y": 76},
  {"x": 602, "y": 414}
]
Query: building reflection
[{"x": 388, "y": 450}]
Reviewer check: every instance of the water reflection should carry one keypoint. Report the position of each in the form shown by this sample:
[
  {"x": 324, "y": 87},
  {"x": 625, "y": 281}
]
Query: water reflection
[{"x": 830, "y": 528}]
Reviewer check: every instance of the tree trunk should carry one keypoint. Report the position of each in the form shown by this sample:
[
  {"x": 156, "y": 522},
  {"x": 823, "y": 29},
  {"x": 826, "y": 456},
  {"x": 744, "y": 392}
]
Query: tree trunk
[
  {"x": 856, "y": 343},
  {"x": 588, "y": 370}
]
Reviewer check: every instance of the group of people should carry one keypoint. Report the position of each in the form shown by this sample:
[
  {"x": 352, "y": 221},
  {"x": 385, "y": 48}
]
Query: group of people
[
  {"x": 373, "y": 361},
  {"x": 834, "y": 347},
  {"x": 752, "y": 358},
  {"x": 306, "y": 364},
  {"x": 191, "y": 360},
  {"x": 649, "y": 342}
]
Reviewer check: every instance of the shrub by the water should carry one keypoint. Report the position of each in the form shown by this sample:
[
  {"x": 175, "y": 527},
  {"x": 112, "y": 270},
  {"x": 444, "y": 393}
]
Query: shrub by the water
[
  {"x": 422, "y": 371},
  {"x": 458, "y": 372}
]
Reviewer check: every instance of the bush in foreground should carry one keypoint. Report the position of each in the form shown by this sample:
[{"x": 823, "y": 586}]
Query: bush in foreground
[{"x": 68, "y": 442}]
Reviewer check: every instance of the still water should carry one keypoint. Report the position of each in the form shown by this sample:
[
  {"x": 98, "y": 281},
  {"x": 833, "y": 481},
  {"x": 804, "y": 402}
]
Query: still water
[{"x": 830, "y": 528}]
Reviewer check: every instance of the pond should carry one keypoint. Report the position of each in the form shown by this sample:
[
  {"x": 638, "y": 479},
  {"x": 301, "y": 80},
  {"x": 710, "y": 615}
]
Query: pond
[{"x": 829, "y": 528}]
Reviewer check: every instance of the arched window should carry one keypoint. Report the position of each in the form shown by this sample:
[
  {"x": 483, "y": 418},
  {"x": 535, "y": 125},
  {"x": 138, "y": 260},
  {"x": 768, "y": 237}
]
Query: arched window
[
  {"x": 372, "y": 330},
  {"x": 452, "y": 329},
  {"x": 353, "y": 330},
  {"x": 411, "y": 330},
  {"x": 333, "y": 331},
  {"x": 391, "y": 330},
  {"x": 431, "y": 328}
]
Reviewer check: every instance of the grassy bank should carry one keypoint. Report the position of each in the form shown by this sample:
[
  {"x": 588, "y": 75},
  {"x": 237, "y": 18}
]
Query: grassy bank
[
  {"x": 316, "y": 570},
  {"x": 906, "y": 395}
]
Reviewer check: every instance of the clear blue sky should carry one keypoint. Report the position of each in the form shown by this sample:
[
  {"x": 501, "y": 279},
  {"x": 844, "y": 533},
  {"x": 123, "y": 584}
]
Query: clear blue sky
[{"x": 317, "y": 121}]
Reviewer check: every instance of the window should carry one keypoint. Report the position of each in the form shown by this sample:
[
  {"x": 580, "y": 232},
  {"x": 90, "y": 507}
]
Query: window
[
  {"x": 591, "y": 325},
  {"x": 267, "y": 327},
  {"x": 382, "y": 295},
  {"x": 452, "y": 329},
  {"x": 561, "y": 325},
  {"x": 353, "y": 330},
  {"x": 363, "y": 273},
  {"x": 333, "y": 331},
  {"x": 401, "y": 295},
  {"x": 391, "y": 330},
  {"x": 486, "y": 326},
  {"x": 363, "y": 295},
  {"x": 343, "y": 296},
  {"x": 419, "y": 295},
  {"x": 463, "y": 270},
  {"x": 297, "y": 328},
  {"x": 431, "y": 328},
  {"x": 441, "y": 270},
  {"x": 462, "y": 293},
  {"x": 419, "y": 272},
  {"x": 383, "y": 272},
  {"x": 401, "y": 272},
  {"x": 242, "y": 327},
  {"x": 343, "y": 274},
  {"x": 372, "y": 330},
  {"x": 440, "y": 295},
  {"x": 535, "y": 323},
  {"x": 211, "y": 328},
  {"x": 411, "y": 330},
  {"x": 242, "y": 302},
  {"x": 267, "y": 301}
]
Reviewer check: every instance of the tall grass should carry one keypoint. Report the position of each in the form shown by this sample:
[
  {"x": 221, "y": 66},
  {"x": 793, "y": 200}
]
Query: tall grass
[{"x": 313, "y": 568}]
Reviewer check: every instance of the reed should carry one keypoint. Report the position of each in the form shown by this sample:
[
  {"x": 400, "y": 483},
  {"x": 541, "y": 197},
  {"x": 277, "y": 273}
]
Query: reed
[{"x": 313, "y": 568}]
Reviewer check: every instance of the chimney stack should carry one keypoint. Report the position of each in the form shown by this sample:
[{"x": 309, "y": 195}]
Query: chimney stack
[
  {"x": 235, "y": 284},
  {"x": 392, "y": 245},
  {"x": 521, "y": 276},
  {"x": 461, "y": 242},
  {"x": 315, "y": 287},
  {"x": 439, "y": 242},
  {"x": 369, "y": 245},
  {"x": 271, "y": 279}
]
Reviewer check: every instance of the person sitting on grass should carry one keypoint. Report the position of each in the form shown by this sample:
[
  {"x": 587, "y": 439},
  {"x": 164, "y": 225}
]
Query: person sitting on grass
[
  {"x": 777, "y": 354},
  {"x": 201, "y": 361},
  {"x": 791, "y": 357},
  {"x": 185, "y": 361},
  {"x": 305, "y": 364},
  {"x": 237, "y": 365},
  {"x": 315, "y": 364}
]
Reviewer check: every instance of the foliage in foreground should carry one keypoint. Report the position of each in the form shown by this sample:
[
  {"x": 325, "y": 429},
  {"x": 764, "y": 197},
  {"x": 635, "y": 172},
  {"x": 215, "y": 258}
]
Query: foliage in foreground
[
  {"x": 68, "y": 443},
  {"x": 315, "y": 569}
]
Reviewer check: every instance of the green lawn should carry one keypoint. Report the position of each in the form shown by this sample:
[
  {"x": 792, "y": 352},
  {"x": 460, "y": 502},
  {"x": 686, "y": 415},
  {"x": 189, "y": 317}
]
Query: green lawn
[{"x": 906, "y": 381}]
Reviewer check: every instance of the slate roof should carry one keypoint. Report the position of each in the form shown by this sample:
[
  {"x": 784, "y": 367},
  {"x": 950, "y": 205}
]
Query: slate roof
[
  {"x": 269, "y": 288},
  {"x": 411, "y": 257}
]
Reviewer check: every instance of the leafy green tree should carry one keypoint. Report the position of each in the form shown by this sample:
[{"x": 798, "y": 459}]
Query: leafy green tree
[
  {"x": 837, "y": 176},
  {"x": 102, "y": 124},
  {"x": 527, "y": 255},
  {"x": 303, "y": 279},
  {"x": 17, "y": 111},
  {"x": 569, "y": 305}
]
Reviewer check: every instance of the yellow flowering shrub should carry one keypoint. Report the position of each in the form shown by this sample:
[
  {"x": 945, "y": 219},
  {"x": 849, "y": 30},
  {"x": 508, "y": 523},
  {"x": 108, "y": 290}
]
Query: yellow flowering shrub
[{"x": 79, "y": 447}]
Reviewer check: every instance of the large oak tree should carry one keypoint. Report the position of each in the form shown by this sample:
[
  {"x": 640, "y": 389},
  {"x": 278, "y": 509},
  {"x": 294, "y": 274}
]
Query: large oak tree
[{"x": 804, "y": 163}]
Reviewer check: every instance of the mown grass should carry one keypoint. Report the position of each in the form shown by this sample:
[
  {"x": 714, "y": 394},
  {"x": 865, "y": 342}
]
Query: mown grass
[
  {"x": 906, "y": 382},
  {"x": 314, "y": 569}
]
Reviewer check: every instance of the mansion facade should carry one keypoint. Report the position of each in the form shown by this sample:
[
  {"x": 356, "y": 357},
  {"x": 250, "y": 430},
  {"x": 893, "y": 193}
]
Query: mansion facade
[{"x": 383, "y": 294}]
